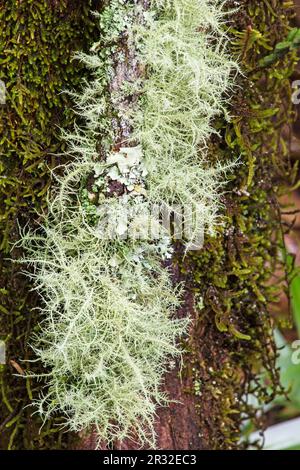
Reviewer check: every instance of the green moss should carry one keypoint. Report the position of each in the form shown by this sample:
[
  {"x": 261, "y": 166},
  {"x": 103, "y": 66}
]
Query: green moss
[
  {"x": 233, "y": 334},
  {"x": 38, "y": 39}
]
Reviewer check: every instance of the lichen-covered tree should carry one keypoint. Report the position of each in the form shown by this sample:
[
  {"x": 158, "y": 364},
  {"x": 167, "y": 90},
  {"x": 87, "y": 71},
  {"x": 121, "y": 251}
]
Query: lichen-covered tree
[
  {"x": 231, "y": 338},
  {"x": 146, "y": 342}
]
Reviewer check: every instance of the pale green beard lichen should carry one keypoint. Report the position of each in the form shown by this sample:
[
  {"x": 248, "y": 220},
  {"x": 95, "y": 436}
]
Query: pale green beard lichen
[
  {"x": 183, "y": 47},
  {"x": 107, "y": 328}
]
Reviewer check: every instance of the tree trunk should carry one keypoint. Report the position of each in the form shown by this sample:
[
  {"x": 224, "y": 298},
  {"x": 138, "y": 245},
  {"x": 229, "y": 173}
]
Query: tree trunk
[
  {"x": 231, "y": 333},
  {"x": 231, "y": 337}
]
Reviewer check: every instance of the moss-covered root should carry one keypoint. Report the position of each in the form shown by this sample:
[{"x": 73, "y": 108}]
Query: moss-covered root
[{"x": 38, "y": 39}]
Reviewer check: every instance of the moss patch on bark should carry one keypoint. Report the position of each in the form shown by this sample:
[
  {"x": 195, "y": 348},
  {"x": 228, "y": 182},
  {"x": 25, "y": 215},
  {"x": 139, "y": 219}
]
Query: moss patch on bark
[
  {"x": 234, "y": 273},
  {"x": 38, "y": 39}
]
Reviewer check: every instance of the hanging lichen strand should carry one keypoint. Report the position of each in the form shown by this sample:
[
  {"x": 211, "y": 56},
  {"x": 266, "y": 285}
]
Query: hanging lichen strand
[{"x": 161, "y": 73}]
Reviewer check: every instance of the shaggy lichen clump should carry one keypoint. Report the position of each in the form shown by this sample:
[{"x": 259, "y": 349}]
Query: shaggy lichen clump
[
  {"x": 107, "y": 328},
  {"x": 184, "y": 48}
]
